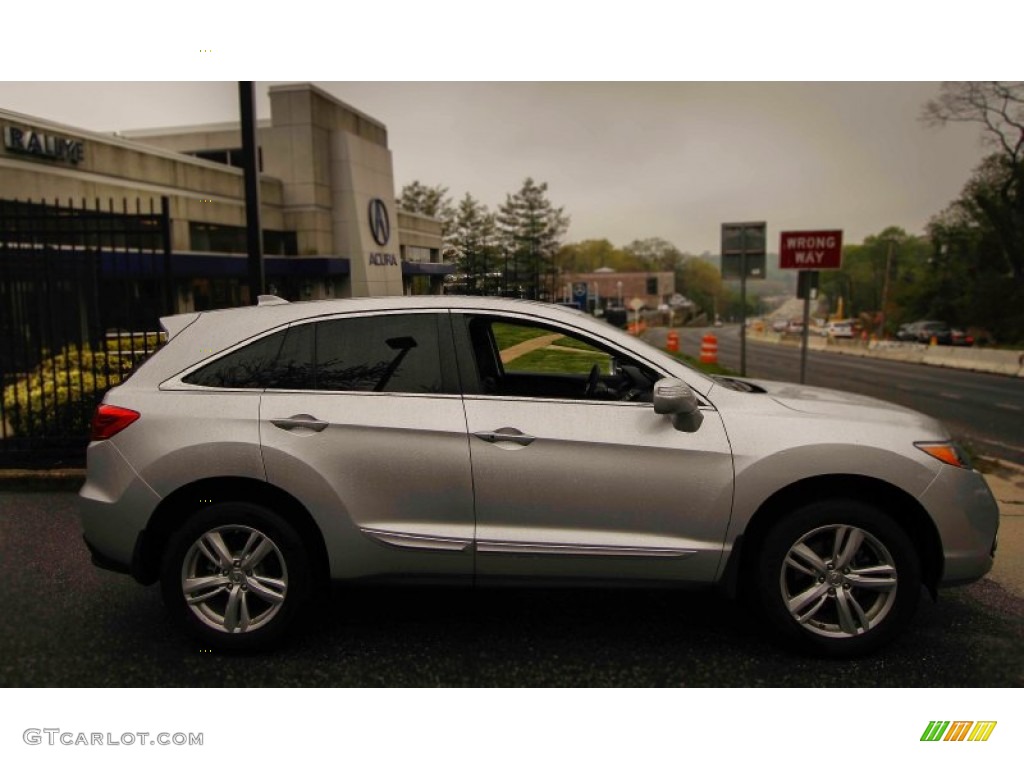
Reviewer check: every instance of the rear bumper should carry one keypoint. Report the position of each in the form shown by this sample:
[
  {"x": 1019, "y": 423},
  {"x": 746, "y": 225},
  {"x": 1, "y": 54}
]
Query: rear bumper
[
  {"x": 100, "y": 560},
  {"x": 114, "y": 505}
]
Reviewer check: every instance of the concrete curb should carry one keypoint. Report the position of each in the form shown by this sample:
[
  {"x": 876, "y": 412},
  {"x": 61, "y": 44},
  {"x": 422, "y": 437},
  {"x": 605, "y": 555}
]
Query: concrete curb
[{"x": 67, "y": 479}]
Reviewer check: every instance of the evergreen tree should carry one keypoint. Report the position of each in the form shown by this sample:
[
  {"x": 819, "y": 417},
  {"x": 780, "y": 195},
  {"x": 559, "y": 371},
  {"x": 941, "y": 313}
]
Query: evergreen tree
[
  {"x": 474, "y": 239},
  {"x": 530, "y": 229}
]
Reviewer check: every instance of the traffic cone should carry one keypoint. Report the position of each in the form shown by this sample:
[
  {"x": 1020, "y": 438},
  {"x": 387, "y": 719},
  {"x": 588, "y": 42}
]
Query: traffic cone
[{"x": 709, "y": 349}]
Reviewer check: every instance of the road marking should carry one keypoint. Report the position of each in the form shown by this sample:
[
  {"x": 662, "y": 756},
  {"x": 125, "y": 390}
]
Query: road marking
[
  {"x": 1009, "y": 407},
  {"x": 951, "y": 396}
]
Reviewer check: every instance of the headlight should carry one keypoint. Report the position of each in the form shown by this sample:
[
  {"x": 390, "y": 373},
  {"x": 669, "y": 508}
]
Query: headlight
[{"x": 947, "y": 453}]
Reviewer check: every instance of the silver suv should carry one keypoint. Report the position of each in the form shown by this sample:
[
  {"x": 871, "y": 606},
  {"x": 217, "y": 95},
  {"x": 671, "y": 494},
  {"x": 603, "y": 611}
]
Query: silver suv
[{"x": 267, "y": 450}]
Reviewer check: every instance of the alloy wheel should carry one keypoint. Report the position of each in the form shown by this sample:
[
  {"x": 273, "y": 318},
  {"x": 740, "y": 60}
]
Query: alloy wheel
[
  {"x": 234, "y": 579},
  {"x": 838, "y": 581}
]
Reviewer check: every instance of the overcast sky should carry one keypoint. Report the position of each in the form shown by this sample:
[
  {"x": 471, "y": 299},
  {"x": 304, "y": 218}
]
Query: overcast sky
[
  {"x": 626, "y": 160},
  {"x": 650, "y": 152}
]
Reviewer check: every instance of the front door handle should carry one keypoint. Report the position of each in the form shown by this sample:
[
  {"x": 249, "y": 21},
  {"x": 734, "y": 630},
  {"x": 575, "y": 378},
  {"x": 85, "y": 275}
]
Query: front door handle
[
  {"x": 300, "y": 420},
  {"x": 506, "y": 435}
]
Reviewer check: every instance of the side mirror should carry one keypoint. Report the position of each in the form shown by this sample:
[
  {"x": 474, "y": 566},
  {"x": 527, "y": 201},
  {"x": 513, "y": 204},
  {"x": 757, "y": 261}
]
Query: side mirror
[{"x": 674, "y": 397}]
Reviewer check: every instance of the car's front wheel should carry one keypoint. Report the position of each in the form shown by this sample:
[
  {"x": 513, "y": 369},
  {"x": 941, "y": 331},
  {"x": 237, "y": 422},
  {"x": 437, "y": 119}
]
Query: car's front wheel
[
  {"x": 236, "y": 575},
  {"x": 838, "y": 578}
]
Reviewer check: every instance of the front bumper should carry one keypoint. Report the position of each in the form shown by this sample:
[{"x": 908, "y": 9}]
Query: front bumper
[{"x": 967, "y": 518}]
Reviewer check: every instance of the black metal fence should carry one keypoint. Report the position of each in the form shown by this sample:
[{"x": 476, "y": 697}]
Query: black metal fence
[{"x": 82, "y": 288}]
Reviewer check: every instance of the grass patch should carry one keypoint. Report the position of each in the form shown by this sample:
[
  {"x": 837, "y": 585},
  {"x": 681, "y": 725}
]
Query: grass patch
[
  {"x": 571, "y": 343},
  {"x": 551, "y": 360},
  {"x": 507, "y": 335}
]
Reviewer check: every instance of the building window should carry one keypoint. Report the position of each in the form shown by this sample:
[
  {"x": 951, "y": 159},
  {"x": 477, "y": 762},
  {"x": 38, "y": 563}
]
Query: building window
[
  {"x": 221, "y": 238},
  {"x": 232, "y": 157},
  {"x": 417, "y": 254}
]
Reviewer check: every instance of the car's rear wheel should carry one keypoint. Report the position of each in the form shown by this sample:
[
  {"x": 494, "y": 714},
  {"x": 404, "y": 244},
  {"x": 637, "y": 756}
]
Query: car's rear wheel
[
  {"x": 236, "y": 575},
  {"x": 838, "y": 578}
]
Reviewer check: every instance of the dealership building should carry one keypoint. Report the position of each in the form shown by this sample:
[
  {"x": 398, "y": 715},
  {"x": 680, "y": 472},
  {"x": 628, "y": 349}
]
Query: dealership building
[{"x": 331, "y": 226}]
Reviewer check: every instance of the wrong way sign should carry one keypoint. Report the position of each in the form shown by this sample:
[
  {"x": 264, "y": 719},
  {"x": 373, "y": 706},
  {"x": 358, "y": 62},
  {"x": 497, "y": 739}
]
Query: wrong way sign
[{"x": 817, "y": 249}]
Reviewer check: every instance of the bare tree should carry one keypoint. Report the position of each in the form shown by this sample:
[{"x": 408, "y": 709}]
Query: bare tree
[
  {"x": 997, "y": 107},
  {"x": 993, "y": 197}
]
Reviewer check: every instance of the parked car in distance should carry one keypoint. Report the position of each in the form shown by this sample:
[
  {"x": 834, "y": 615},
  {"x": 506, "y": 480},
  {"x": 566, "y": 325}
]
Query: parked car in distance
[
  {"x": 616, "y": 316},
  {"x": 839, "y": 329},
  {"x": 923, "y": 331},
  {"x": 959, "y": 338},
  {"x": 794, "y": 327},
  {"x": 266, "y": 451}
]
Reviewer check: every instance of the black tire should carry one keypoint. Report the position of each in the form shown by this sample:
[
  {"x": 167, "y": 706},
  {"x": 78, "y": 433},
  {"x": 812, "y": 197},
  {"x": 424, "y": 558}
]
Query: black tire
[
  {"x": 236, "y": 608},
  {"x": 837, "y": 606}
]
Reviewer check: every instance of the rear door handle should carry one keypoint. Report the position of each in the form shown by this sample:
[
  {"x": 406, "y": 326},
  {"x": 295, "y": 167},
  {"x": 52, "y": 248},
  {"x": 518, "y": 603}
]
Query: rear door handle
[
  {"x": 300, "y": 420},
  {"x": 506, "y": 435}
]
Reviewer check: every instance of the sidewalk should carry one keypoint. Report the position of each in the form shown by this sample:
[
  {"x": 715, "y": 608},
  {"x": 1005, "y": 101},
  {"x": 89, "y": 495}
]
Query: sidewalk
[
  {"x": 530, "y": 345},
  {"x": 1007, "y": 483}
]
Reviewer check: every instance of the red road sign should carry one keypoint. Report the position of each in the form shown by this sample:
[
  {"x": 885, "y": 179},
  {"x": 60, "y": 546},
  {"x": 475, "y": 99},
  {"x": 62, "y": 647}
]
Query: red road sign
[{"x": 820, "y": 249}]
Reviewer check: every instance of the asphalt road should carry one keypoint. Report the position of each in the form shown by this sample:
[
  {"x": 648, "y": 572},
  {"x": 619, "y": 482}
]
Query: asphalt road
[
  {"x": 70, "y": 624},
  {"x": 985, "y": 410}
]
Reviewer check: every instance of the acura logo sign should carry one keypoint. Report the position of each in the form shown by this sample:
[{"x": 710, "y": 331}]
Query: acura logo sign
[{"x": 380, "y": 225}]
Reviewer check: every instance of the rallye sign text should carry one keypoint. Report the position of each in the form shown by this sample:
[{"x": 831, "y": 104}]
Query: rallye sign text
[{"x": 29, "y": 142}]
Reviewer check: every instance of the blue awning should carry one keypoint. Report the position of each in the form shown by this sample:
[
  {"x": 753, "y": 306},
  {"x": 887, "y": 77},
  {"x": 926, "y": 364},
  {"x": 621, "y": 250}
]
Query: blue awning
[{"x": 426, "y": 268}]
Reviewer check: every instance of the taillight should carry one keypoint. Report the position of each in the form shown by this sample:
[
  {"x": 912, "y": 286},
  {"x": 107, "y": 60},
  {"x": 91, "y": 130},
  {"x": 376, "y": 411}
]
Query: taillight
[{"x": 111, "y": 419}]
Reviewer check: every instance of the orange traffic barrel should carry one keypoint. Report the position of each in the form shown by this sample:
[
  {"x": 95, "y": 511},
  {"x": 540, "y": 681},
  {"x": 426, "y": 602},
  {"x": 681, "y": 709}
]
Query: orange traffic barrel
[
  {"x": 709, "y": 349},
  {"x": 672, "y": 343}
]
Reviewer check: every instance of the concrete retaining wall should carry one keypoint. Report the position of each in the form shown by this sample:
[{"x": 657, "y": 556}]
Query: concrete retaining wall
[{"x": 1005, "y": 362}]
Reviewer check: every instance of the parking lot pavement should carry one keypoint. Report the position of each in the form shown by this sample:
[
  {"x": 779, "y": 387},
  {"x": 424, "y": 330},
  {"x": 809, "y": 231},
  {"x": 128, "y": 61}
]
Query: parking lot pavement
[{"x": 71, "y": 624}]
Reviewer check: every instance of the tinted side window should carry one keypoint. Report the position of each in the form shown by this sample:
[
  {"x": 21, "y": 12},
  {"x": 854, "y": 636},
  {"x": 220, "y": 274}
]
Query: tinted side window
[
  {"x": 389, "y": 353},
  {"x": 293, "y": 367},
  {"x": 245, "y": 368}
]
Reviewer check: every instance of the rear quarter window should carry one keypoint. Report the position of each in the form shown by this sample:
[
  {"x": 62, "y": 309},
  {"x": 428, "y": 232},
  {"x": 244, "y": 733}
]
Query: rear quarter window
[{"x": 246, "y": 368}]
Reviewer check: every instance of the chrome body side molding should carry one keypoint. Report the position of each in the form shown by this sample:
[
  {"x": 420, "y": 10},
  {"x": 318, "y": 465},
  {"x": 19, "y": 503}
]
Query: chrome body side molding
[
  {"x": 524, "y": 548},
  {"x": 416, "y": 541}
]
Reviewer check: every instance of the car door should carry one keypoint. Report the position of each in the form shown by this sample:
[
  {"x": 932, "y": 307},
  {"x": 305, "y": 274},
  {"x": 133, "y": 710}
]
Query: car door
[
  {"x": 571, "y": 485},
  {"x": 374, "y": 442}
]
